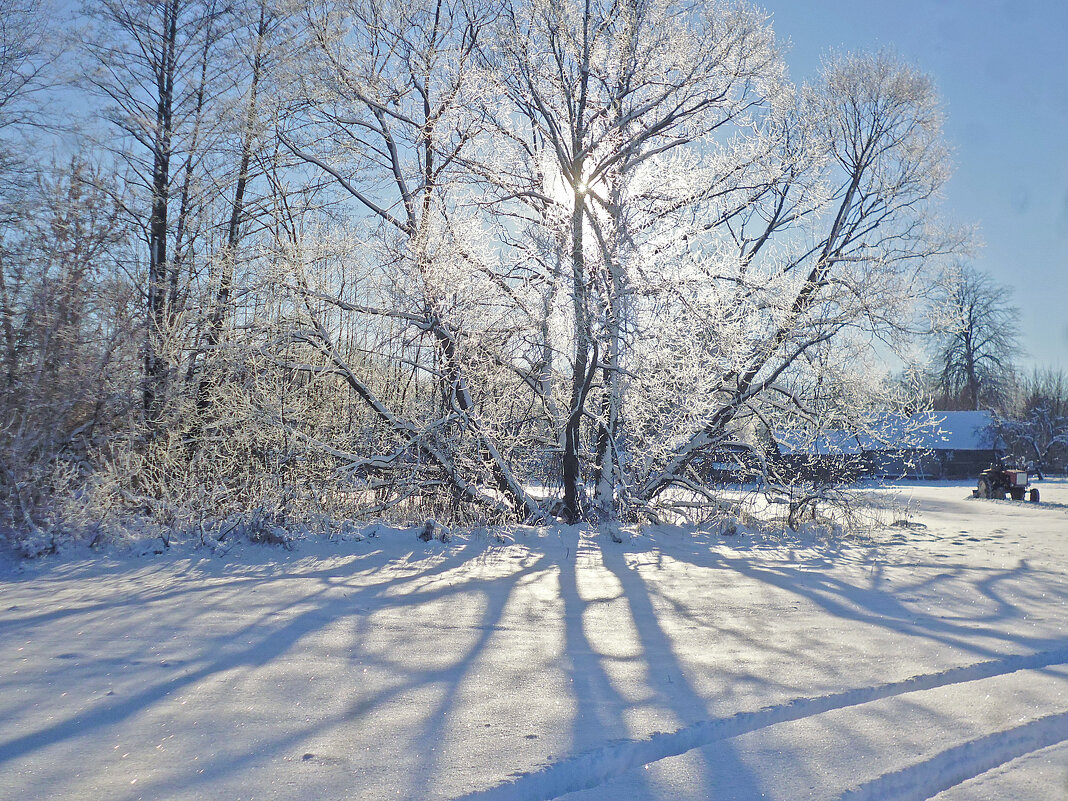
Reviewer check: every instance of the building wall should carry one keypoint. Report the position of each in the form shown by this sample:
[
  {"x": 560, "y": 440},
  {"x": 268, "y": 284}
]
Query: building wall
[{"x": 915, "y": 464}]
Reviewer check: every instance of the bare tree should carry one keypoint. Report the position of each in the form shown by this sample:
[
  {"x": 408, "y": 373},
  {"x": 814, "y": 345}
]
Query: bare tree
[
  {"x": 26, "y": 56},
  {"x": 606, "y": 94},
  {"x": 730, "y": 249},
  {"x": 386, "y": 111},
  {"x": 979, "y": 343},
  {"x": 255, "y": 58},
  {"x": 827, "y": 263},
  {"x": 1038, "y": 429},
  {"x": 66, "y": 331},
  {"x": 155, "y": 66}
]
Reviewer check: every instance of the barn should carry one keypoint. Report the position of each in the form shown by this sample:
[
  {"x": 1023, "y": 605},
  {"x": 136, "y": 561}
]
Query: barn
[
  {"x": 927, "y": 445},
  {"x": 957, "y": 445}
]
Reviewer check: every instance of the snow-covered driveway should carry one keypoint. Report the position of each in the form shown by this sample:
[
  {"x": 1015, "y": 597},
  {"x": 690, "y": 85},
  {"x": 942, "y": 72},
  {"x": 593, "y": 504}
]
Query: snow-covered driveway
[{"x": 671, "y": 666}]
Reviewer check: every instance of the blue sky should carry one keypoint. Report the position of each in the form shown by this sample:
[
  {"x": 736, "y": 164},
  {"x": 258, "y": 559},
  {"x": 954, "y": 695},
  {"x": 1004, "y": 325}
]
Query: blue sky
[{"x": 1002, "y": 70}]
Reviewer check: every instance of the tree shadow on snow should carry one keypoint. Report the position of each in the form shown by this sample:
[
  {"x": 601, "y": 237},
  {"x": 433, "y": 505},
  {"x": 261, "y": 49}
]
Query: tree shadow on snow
[{"x": 681, "y": 634}]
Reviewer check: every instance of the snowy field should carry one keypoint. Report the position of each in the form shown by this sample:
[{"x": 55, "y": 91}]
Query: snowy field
[{"x": 904, "y": 663}]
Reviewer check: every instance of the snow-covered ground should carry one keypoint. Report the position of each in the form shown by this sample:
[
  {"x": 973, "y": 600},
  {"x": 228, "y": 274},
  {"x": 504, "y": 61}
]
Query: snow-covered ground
[{"x": 906, "y": 663}]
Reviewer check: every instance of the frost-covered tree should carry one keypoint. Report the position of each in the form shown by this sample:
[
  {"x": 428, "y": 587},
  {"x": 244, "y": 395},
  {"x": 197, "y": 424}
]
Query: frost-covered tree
[
  {"x": 385, "y": 109},
  {"x": 67, "y": 362},
  {"x": 246, "y": 154},
  {"x": 178, "y": 83},
  {"x": 1038, "y": 430},
  {"x": 586, "y": 245},
  {"x": 608, "y": 107},
  {"x": 27, "y": 60},
  {"x": 978, "y": 345},
  {"x": 823, "y": 266},
  {"x": 726, "y": 250}
]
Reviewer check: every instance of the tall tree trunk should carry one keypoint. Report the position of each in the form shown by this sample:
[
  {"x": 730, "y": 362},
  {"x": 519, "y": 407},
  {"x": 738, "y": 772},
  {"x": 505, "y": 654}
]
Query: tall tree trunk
[
  {"x": 155, "y": 369},
  {"x": 611, "y": 393},
  {"x": 7, "y": 316},
  {"x": 972, "y": 375},
  {"x": 228, "y": 258},
  {"x": 582, "y": 370}
]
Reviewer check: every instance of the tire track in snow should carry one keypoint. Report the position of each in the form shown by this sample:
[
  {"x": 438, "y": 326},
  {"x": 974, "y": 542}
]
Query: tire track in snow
[
  {"x": 955, "y": 765},
  {"x": 609, "y": 761}
]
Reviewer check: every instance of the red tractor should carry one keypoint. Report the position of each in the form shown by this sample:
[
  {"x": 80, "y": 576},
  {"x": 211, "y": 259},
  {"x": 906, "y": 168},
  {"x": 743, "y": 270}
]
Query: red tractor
[{"x": 1000, "y": 479}]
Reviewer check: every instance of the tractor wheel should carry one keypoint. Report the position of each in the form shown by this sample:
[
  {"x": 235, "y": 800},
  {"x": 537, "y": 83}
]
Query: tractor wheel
[
  {"x": 984, "y": 487},
  {"x": 1033, "y": 496},
  {"x": 1017, "y": 493}
]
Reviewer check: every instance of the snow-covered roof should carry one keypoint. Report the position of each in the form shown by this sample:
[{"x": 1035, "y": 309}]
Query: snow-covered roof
[
  {"x": 959, "y": 431},
  {"x": 827, "y": 443},
  {"x": 962, "y": 431}
]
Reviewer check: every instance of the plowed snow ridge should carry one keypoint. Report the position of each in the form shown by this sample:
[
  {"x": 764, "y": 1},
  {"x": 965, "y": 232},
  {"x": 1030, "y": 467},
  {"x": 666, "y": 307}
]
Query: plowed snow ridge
[{"x": 968, "y": 760}]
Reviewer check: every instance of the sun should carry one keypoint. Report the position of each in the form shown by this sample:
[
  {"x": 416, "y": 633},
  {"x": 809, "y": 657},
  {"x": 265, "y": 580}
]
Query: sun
[{"x": 556, "y": 184}]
